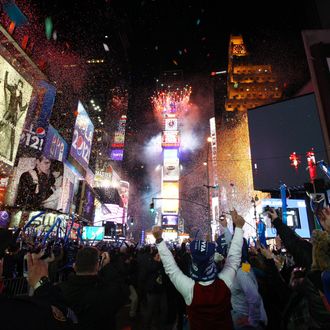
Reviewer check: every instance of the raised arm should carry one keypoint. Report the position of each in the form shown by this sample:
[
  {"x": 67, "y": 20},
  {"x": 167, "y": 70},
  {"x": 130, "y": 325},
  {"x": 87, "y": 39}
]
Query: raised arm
[
  {"x": 300, "y": 249},
  {"x": 233, "y": 259},
  {"x": 183, "y": 283}
]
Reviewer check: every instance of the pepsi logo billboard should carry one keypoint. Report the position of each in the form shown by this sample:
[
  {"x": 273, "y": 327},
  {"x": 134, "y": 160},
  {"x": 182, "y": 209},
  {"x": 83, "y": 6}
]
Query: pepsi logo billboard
[{"x": 82, "y": 137}]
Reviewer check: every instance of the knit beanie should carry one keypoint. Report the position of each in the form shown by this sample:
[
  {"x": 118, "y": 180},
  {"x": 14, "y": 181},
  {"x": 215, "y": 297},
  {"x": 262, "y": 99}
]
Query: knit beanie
[{"x": 203, "y": 267}]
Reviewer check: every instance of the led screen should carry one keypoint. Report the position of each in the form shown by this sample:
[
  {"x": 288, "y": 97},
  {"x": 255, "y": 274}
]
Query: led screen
[
  {"x": 15, "y": 94},
  {"x": 93, "y": 233},
  {"x": 170, "y": 154},
  {"x": 276, "y": 131},
  {"x": 171, "y": 170},
  {"x": 117, "y": 154},
  {"x": 170, "y": 139},
  {"x": 169, "y": 220},
  {"x": 170, "y": 193},
  {"x": 297, "y": 216}
]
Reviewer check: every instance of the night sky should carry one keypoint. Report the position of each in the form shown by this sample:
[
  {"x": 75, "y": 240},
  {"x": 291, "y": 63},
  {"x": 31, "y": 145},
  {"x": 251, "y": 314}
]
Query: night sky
[{"x": 186, "y": 35}]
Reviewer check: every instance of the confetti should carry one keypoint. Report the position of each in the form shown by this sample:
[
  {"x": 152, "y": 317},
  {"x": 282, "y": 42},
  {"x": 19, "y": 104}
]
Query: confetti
[
  {"x": 48, "y": 27},
  {"x": 198, "y": 21},
  {"x": 106, "y": 47},
  {"x": 55, "y": 35},
  {"x": 175, "y": 62}
]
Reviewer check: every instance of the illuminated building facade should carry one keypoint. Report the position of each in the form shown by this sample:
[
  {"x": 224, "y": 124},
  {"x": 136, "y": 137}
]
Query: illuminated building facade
[
  {"x": 169, "y": 104},
  {"x": 248, "y": 86}
]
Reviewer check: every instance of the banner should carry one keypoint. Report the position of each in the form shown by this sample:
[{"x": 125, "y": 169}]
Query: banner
[
  {"x": 82, "y": 137},
  {"x": 15, "y": 94},
  {"x": 37, "y": 121},
  {"x": 55, "y": 146}
]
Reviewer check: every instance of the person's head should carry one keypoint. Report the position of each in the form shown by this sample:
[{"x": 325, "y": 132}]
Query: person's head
[
  {"x": 20, "y": 85},
  {"x": 203, "y": 267},
  {"x": 324, "y": 216},
  {"x": 57, "y": 168},
  {"x": 297, "y": 277},
  {"x": 321, "y": 250},
  {"x": 87, "y": 261},
  {"x": 43, "y": 165}
]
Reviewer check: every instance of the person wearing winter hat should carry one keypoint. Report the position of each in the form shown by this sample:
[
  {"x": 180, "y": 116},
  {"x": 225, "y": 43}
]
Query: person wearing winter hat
[{"x": 206, "y": 293}]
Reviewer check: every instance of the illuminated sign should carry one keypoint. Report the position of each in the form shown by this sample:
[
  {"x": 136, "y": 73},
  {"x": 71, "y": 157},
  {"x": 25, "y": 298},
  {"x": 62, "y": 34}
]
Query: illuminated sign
[
  {"x": 119, "y": 137},
  {"x": 55, "y": 147},
  {"x": 15, "y": 94},
  {"x": 170, "y": 154},
  {"x": 170, "y": 139},
  {"x": 108, "y": 212},
  {"x": 170, "y": 193},
  {"x": 82, "y": 137},
  {"x": 117, "y": 154},
  {"x": 171, "y": 170},
  {"x": 171, "y": 124},
  {"x": 170, "y": 220}
]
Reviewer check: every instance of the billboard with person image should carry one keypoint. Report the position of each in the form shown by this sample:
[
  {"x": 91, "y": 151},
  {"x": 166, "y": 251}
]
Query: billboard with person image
[{"x": 15, "y": 94}]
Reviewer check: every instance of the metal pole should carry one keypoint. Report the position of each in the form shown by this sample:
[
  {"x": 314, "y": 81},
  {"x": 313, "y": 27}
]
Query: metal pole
[{"x": 208, "y": 194}]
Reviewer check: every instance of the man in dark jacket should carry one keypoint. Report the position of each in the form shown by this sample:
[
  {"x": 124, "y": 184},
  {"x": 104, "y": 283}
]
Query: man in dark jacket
[{"x": 95, "y": 299}]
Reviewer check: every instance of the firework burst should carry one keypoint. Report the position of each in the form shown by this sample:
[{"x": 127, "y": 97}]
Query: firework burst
[{"x": 167, "y": 102}]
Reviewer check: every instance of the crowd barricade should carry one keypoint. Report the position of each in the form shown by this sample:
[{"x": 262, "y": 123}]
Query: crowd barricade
[{"x": 15, "y": 287}]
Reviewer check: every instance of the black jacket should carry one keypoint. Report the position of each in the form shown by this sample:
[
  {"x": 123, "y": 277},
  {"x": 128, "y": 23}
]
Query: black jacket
[
  {"x": 300, "y": 249},
  {"x": 94, "y": 299}
]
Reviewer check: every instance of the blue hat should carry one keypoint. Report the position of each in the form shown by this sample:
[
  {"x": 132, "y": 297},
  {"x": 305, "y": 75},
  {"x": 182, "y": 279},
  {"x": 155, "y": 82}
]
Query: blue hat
[
  {"x": 203, "y": 267},
  {"x": 222, "y": 245}
]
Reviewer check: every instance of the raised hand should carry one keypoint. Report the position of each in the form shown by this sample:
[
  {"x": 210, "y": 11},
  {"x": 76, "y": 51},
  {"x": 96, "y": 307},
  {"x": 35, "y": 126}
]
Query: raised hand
[
  {"x": 37, "y": 268},
  {"x": 238, "y": 220},
  {"x": 157, "y": 232}
]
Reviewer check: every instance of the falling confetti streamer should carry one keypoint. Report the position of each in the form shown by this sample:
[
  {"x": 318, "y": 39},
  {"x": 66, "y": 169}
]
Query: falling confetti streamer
[
  {"x": 106, "y": 47},
  {"x": 55, "y": 35},
  {"x": 48, "y": 27},
  {"x": 175, "y": 62},
  {"x": 198, "y": 21}
]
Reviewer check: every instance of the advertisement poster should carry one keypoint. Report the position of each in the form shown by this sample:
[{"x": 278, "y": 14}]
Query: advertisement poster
[
  {"x": 37, "y": 121},
  {"x": 3, "y": 189},
  {"x": 171, "y": 170},
  {"x": 170, "y": 139},
  {"x": 86, "y": 203},
  {"x": 82, "y": 137},
  {"x": 55, "y": 146},
  {"x": 15, "y": 94},
  {"x": 37, "y": 184},
  {"x": 108, "y": 212},
  {"x": 68, "y": 190}
]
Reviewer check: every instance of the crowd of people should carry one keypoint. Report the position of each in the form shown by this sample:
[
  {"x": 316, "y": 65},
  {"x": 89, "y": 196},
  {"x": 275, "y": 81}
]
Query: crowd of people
[{"x": 198, "y": 285}]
